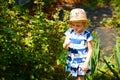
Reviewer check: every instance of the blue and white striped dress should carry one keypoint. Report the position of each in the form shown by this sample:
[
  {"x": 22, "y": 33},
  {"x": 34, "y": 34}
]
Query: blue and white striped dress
[{"x": 77, "y": 51}]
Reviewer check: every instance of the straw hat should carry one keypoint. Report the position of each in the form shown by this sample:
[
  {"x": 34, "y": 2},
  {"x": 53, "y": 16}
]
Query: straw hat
[{"x": 77, "y": 15}]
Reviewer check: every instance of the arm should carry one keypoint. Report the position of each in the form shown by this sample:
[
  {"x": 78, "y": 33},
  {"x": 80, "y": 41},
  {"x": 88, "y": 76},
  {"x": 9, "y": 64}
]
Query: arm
[
  {"x": 89, "y": 55},
  {"x": 66, "y": 43}
]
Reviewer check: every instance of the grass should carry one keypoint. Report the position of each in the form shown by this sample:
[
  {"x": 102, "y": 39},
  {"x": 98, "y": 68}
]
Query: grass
[{"x": 105, "y": 67}]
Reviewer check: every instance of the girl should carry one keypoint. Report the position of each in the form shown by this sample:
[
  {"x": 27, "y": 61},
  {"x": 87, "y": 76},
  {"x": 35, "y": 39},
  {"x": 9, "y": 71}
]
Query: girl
[{"x": 78, "y": 42}]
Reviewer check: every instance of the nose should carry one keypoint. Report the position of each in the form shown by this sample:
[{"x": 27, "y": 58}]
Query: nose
[{"x": 75, "y": 28}]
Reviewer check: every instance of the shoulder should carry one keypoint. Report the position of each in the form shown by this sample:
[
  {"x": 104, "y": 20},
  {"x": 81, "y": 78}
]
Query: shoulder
[
  {"x": 88, "y": 35},
  {"x": 87, "y": 32},
  {"x": 69, "y": 31}
]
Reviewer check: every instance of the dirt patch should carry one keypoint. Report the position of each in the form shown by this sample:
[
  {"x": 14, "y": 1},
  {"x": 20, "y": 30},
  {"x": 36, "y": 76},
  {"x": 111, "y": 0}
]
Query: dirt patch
[{"x": 107, "y": 37}]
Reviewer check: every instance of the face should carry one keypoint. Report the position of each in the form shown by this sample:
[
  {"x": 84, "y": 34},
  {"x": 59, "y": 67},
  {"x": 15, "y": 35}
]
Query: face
[{"x": 77, "y": 26}]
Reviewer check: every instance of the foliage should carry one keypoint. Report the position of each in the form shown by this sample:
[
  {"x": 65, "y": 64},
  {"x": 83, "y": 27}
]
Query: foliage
[
  {"x": 30, "y": 46},
  {"x": 95, "y": 57},
  {"x": 117, "y": 52},
  {"x": 114, "y": 20},
  {"x": 107, "y": 67},
  {"x": 112, "y": 69},
  {"x": 48, "y": 2},
  {"x": 116, "y": 16},
  {"x": 96, "y": 53},
  {"x": 98, "y": 3},
  {"x": 115, "y": 1}
]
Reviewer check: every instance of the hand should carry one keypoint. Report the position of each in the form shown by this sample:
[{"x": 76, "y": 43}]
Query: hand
[
  {"x": 85, "y": 67},
  {"x": 66, "y": 43}
]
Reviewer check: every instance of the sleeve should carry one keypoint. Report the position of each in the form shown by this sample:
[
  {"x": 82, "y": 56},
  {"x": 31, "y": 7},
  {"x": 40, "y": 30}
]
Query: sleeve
[
  {"x": 89, "y": 37},
  {"x": 68, "y": 32}
]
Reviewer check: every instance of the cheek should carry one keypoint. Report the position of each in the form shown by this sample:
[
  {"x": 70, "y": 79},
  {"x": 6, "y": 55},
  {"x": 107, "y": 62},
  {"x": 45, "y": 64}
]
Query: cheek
[
  {"x": 76, "y": 28},
  {"x": 80, "y": 28}
]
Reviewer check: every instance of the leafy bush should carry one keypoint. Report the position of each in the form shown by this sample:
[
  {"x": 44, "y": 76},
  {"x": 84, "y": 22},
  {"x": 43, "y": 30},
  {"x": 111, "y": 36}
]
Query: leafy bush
[{"x": 30, "y": 46}]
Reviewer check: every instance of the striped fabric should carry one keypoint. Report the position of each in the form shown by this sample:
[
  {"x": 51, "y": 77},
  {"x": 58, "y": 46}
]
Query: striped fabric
[{"x": 77, "y": 51}]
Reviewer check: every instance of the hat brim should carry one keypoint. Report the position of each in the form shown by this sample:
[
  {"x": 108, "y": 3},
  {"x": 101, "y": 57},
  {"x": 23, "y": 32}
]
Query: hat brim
[{"x": 71, "y": 21}]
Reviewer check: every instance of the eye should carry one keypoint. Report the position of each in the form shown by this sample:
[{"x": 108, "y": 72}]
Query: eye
[
  {"x": 78, "y": 25},
  {"x": 72, "y": 24}
]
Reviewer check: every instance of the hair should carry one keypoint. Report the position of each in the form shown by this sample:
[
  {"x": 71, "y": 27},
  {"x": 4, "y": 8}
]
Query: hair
[{"x": 84, "y": 23}]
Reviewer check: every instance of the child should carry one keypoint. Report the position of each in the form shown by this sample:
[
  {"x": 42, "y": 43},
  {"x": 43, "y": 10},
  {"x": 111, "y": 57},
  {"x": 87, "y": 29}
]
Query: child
[{"x": 78, "y": 42}]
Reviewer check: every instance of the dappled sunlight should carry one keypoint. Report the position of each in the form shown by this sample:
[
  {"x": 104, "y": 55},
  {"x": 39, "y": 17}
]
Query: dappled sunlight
[{"x": 32, "y": 34}]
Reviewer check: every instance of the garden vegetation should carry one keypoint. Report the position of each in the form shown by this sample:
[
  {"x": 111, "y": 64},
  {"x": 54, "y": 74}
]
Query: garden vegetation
[{"x": 31, "y": 44}]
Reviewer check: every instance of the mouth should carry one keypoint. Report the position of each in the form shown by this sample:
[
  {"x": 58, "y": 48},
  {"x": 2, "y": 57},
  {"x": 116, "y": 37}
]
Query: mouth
[{"x": 78, "y": 31}]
